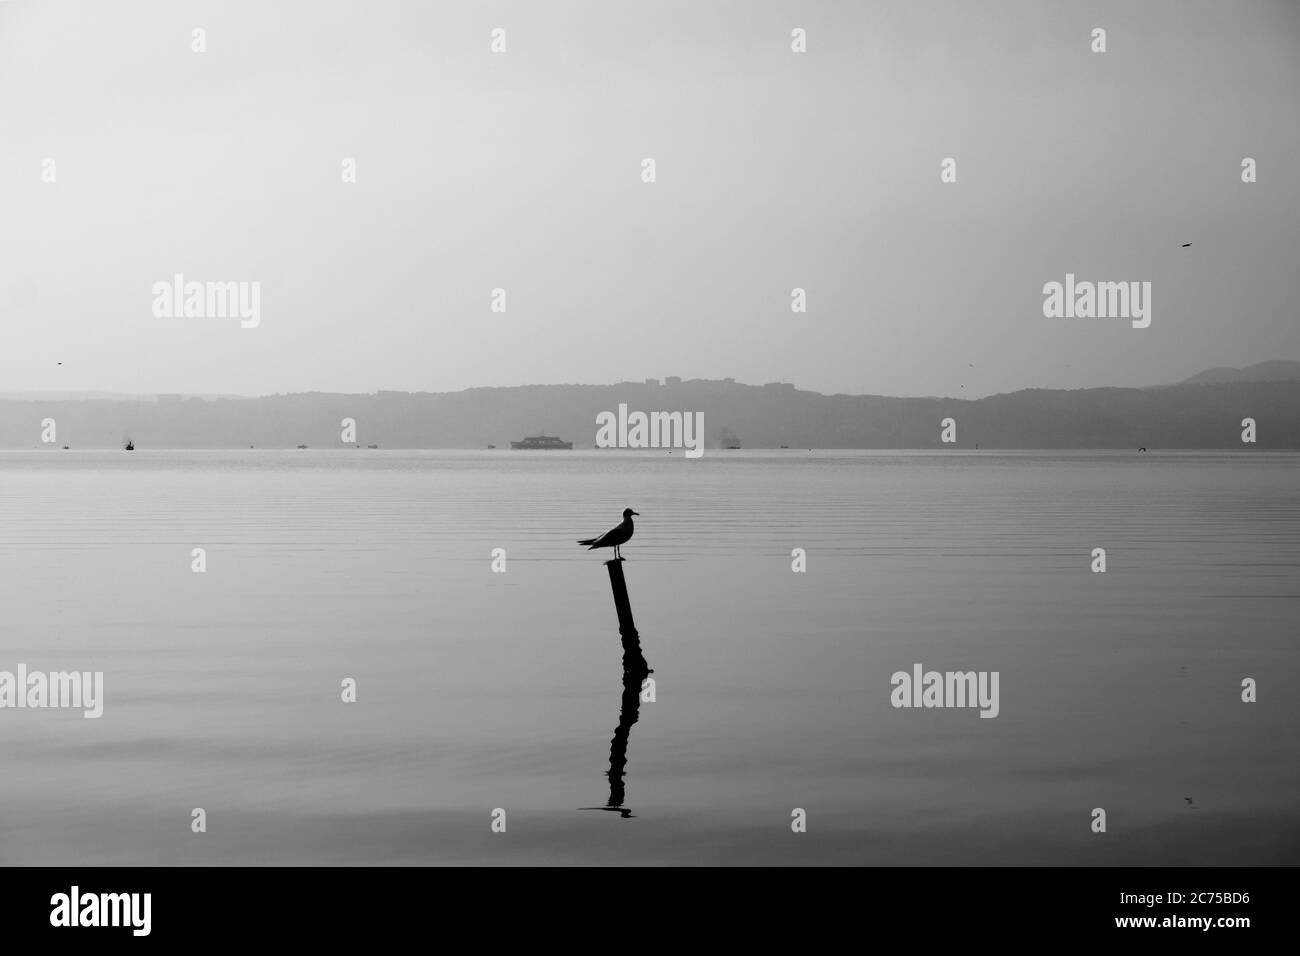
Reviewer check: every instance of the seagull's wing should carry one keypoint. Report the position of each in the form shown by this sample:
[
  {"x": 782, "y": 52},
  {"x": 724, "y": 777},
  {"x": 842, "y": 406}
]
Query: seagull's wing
[{"x": 600, "y": 541}]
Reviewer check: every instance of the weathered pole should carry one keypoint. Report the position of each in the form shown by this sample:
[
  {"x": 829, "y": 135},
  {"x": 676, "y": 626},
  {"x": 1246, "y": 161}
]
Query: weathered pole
[{"x": 635, "y": 670}]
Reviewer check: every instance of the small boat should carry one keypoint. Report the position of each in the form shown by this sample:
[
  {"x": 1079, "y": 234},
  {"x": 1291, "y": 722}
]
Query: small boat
[
  {"x": 130, "y": 445},
  {"x": 492, "y": 446},
  {"x": 372, "y": 446},
  {"x": 302, "y": 446},
  {"x": 541, "y": 443}
]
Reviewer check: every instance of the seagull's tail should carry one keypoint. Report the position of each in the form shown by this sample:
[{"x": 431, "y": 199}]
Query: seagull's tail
[{"x": 588, "y": 541}]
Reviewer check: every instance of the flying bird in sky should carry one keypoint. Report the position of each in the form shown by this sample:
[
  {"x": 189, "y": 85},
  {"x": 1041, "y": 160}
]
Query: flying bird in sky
[{"x": 615, "y": 536}]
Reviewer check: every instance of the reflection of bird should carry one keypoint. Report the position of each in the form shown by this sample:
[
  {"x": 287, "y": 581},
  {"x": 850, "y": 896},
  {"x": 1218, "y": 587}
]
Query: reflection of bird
[
  {"x": 624, "y": 812},
  {"x": 615, "y": 536}
]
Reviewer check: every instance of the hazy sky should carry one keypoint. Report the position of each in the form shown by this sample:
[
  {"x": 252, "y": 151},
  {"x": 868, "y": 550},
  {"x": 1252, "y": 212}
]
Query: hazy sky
[{"x": 523, "y": 171}]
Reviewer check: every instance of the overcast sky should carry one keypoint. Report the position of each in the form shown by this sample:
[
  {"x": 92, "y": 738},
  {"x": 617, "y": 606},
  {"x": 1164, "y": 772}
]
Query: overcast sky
[{"x": 522, "y": 170}]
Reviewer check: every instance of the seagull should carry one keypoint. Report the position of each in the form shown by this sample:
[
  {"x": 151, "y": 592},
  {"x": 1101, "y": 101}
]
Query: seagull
[{"x": 614, "y": 537}]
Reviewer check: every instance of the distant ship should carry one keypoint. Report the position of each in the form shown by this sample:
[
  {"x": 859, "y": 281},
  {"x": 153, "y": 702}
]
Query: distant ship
[
  {"x": 541, "y": 443},
  {"x": 302, "y": 446},
  {"x": 130, "y": 445}
]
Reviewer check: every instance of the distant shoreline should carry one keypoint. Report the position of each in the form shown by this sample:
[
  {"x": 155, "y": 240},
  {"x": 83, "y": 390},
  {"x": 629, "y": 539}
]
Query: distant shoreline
[
  {"x": 717, "y": 453},
  {"x": 1191, "y": 416}
]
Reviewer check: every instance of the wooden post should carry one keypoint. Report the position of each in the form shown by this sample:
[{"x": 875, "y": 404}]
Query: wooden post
[
  {"x": 634, "y": 663},
  {"x": 635, "y": 670},
  {"x": 626, "y": 626}
]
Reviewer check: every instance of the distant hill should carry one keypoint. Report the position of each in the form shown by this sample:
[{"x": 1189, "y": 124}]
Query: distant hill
[
  {"x": 1188, "y": 415},
  {"x": 1278, "y": 370}
]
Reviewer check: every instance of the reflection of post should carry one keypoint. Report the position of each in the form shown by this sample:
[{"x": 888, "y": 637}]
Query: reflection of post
[
  {"x": 635, "y": 671},
  {"x": 627, "y": 716}
]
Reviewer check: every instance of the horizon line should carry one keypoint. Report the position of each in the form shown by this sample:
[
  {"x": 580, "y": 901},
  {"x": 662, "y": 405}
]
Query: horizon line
[{"x": 99, "y": 395}]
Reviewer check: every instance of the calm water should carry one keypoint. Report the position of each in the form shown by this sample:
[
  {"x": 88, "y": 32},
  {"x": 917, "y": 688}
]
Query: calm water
[{"x": 479, "y": 690}]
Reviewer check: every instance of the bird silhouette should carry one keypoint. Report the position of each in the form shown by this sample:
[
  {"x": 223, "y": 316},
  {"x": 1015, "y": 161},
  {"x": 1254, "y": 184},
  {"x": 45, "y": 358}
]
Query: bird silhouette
[{"x": 615, "y": 536}]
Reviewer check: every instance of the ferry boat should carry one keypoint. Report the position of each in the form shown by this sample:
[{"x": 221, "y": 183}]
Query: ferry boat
[{"x": 541, "y": 443}]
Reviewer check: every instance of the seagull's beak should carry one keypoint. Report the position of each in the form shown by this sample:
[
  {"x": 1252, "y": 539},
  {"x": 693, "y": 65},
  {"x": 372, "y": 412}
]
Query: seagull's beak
[{"x": 637, "y": 513}]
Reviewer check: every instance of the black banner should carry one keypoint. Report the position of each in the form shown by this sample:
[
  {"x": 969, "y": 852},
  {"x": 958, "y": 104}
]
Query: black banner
[{"x": 328, "y": 906}]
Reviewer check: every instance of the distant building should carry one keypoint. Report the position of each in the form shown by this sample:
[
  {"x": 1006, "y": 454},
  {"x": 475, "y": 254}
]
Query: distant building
[
  {"x": 652, "y": 381},
  {"x": 673, "y": 380},
  {"x": 169, "y": 397},
  {"x": 728, "y": 381}
]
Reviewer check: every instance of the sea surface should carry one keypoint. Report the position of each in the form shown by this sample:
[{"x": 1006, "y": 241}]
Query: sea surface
[{"x": 479, "y": 690}]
